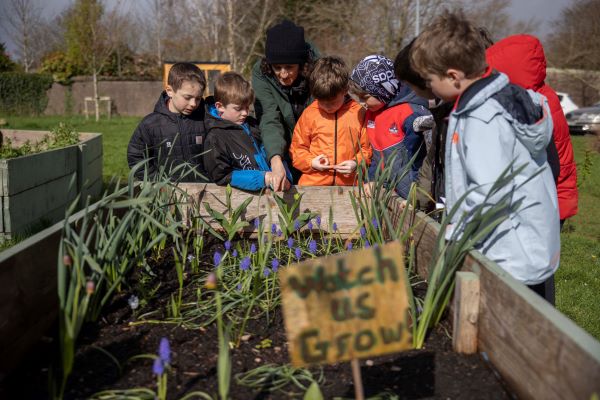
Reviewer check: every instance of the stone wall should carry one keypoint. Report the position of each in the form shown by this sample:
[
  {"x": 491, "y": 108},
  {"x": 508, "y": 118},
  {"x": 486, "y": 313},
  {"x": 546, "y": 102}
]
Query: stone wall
[
  {"x": 129, "y": 98},
  {"x": 582, "y": 86}
]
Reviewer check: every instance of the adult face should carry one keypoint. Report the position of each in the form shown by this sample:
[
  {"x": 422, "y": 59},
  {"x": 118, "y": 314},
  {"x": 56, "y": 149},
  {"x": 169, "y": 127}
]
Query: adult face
[{"x": 286, "y": 74}]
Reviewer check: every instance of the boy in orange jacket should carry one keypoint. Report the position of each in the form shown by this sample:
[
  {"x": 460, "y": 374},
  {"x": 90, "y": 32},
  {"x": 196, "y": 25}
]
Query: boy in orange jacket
[{"x": 328, "y": 144}]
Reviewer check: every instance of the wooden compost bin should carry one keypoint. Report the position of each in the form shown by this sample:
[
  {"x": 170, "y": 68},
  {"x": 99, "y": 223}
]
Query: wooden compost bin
[
  {"x": 40, "y": 187},
  {"x": 537, "y": 350}
]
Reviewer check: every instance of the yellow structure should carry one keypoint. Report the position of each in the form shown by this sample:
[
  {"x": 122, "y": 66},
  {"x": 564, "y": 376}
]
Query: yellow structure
[{"x": 211, "y": 72}]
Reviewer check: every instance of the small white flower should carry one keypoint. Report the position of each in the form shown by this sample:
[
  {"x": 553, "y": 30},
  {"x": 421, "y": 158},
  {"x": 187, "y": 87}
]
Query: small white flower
[
  {"x": 190, "y": 258},
  {"x": 134, "y": 302}
]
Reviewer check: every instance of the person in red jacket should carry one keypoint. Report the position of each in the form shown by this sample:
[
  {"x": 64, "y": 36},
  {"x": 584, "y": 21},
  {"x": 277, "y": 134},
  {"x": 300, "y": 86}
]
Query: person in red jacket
[{"x": 522, "y": 58}]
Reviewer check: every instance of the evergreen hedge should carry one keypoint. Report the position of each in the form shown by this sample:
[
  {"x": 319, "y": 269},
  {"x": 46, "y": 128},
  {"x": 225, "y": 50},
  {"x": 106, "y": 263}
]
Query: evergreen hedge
[{"x": 23, "y": 94}]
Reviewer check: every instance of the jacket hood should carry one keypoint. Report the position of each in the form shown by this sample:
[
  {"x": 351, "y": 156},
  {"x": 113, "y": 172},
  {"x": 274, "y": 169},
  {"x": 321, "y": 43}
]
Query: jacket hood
[
  {"x": 527, "y": 111},
  {"x": 213, "y": 120},
  {"x": 406, "y": 95},
  {"x": 522, "y": 58},
  {"x": 161, "y": 107}
]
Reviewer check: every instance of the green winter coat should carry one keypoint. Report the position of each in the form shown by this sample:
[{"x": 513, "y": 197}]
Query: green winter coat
[{"x": 274, "y": 111}]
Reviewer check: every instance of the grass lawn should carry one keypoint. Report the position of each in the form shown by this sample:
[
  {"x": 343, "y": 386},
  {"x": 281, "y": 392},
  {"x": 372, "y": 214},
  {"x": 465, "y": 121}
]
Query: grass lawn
[{"x": 577, "y": 280}]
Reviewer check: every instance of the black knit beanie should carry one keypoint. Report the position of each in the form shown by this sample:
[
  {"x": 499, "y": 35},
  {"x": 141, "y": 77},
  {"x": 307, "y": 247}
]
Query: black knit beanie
[{"x": 285, "y": 44}]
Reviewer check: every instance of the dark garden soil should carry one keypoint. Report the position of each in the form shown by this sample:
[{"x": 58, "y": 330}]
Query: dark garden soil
[{"x": 435, "y": 372}]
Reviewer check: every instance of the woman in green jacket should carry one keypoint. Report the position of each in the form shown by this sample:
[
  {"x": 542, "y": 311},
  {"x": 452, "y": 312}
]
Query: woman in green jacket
[{"x": 280, "y": 83}]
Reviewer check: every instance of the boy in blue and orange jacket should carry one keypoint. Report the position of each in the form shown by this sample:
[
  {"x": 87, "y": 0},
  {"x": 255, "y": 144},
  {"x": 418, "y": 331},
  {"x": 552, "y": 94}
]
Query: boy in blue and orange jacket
[{"x": 395, "y": 119}]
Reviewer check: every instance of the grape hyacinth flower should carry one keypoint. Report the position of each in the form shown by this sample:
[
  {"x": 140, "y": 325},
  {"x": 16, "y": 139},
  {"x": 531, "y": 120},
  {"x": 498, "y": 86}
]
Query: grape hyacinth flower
[
  {"x": 367, "y": 244},
  {"x": 253, "y": 248},
  {"x": 298, "y": 253},
  {"x": 374, "y": 222},
  {"x": 158, "y": 367},
  {"x": 256, "y": 223},
  {"x": 335, "y": 227},
  {"x": 318, "y": 220},
  {"x": 363, "y": 232},
  {"x": 279, "y": 233},
  {"x": 235, "y": 253},
  {"x": 296, "y": 225},
  {"x": 290, "y": 243},
  {"x": 309, "y": 225},
  {"x": 349, "y": 246},
  {"x": 275, "y": 265},
  {"x": 312, "y": 247},
  {"x": 245, "y": 264},
  {"x": 217, "y": 257},
  {"x": 267, "y": 272},
  {"x": 274, "y": 229},
  {"x": 228, "y": 245},
  {"x": 164, "y": 357},
  {"x": 239, "y": 287}
]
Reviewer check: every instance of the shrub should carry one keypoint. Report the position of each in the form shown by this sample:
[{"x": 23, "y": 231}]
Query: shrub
[{"x": 23, "y": 94}]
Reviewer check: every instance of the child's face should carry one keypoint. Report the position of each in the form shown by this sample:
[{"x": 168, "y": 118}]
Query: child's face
[
  {"x": 444, "y": 87},
  {"x": 233, "y": 112},
  {"x": 286, "y": 74},
  {"x": 330, "y": 106},
  {"x": 186, "y": 99}
]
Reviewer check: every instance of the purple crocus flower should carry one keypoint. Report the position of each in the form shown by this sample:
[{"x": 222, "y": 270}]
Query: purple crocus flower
[
  {"x": 253, "y": 248},
  {"x": 334, "y": 227},
  {"x": 374, "y": 222},
  {"x": 158, "y": 367},
  {"x": 312, "y": 247},
  {"x": 296, "y": 225},
  {"x": 228, "y": 245},
  {"x": 275, "y": 265},
  {"x": 298, "y": 253},
  {"x": 245, "y": 263},
  {"x": 349, "y": 246},
  {"x": 235, "y": 253},
  {"x": 274, "y": 229},
  {"x": 217, "y": 258},
  {"x": 309, "y": 225},
  {"x": 290, "y": 243},
  {"x": 164, "y": 351},
  {"x": 363, "y": 232},
  {"x": 267, "y": 272},
  {"x": 318, "y": 220}
]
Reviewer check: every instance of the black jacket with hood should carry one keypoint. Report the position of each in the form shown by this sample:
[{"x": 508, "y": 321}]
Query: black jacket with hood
[{"x": 169, "y": 139}]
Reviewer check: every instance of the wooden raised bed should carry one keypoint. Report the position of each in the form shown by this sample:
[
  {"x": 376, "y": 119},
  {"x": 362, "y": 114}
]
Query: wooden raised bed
[
  {"x": 40, "y": 187},
  {"x": 535, "y": 348}
]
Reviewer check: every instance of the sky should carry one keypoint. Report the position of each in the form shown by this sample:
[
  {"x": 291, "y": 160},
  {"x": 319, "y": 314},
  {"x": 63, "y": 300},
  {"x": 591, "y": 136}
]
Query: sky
[{"x": 544, "y": 11}]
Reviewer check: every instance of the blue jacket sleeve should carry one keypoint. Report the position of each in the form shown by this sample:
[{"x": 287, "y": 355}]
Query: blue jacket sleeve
[{"x": 248, "y": 179}]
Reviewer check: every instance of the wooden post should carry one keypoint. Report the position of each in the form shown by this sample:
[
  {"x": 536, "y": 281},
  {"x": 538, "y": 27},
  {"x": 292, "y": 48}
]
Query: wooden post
[
  {"x": 466, "y": 312},
  {"x": 359, "y": 393}
]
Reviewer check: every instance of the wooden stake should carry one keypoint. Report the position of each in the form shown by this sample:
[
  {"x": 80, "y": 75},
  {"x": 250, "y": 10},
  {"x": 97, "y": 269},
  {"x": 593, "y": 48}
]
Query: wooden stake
[
  {"x": 359, "y": 393},
  {"x": 466, "y": 313}
]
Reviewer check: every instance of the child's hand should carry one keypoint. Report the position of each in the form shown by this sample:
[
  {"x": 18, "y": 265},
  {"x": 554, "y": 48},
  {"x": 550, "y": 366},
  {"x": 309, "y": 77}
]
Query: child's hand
[
  {"x": 345, "y": 167},
  {"x": 320, "y": 163}
]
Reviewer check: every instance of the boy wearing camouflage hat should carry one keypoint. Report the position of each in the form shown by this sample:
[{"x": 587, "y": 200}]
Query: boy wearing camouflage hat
[{"x": 395, "y": 120}]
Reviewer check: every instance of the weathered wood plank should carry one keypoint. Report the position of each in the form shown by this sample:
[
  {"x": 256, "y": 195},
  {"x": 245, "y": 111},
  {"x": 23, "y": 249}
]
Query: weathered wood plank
[
  {"x": 24, "y": 173},
  {"x": 28, "y": 207},
  {"x": 466, "y": 312},
  {"x": 318, "y": 199}
]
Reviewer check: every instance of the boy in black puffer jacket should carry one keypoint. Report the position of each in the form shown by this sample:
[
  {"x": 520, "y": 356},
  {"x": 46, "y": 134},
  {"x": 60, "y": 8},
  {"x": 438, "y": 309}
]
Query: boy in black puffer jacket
[
  {"x": 235, "y": 153},
  {"x": 174, "y": 133}
]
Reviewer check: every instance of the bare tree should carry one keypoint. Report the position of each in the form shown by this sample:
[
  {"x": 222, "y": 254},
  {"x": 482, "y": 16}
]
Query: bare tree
[{"x": 24, "y": 24}]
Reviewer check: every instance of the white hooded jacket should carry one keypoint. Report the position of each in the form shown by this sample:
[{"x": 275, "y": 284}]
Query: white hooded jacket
[{"x": 494, "y": 125}]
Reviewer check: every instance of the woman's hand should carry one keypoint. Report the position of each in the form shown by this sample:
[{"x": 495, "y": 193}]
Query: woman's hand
[
  {"x": 278, "y": 179},
  {"x": 345, "y": 167},
  {"x": 320, "y": 163}
]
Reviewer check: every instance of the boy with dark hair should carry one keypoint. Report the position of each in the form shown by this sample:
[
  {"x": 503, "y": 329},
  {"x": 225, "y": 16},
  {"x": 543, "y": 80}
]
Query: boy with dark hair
[
  {"x": 174, "y": 133},
  {"x": 328, "y": 144},
  {"x": 394, "y": 119},
  {"x": 494, "y": 125},
  {"x": 235, "y": 153},
  {"x": 431, "y": 173}
]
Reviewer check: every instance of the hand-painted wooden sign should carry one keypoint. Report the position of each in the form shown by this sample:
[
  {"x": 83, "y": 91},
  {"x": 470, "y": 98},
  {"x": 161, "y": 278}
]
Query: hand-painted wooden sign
[{"x": 346, "y": 306}]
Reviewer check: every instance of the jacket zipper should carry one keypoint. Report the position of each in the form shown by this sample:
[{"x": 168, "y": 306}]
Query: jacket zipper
[{"x": 335, "y": 148}]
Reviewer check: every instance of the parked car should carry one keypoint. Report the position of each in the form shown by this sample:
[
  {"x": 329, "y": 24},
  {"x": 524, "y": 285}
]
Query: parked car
[
  {"x": 584, "y": 120},
  {"x": 566, "y": 102}
]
